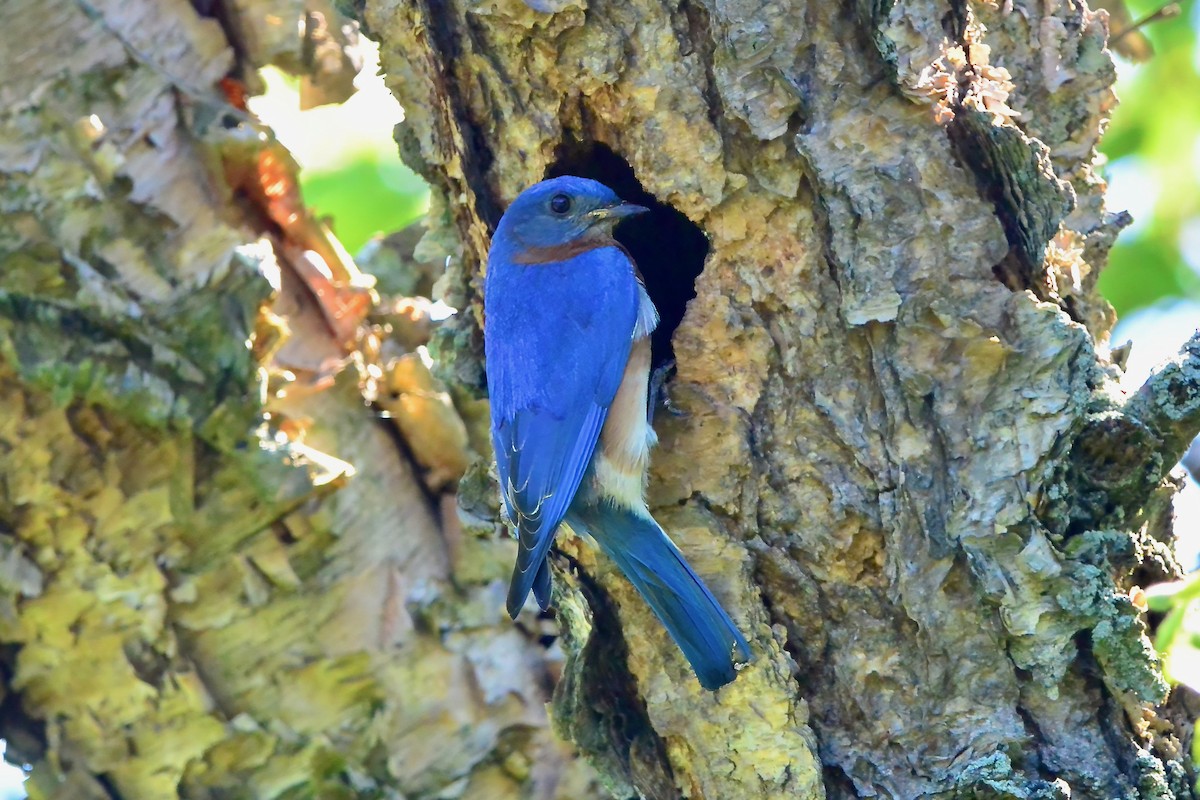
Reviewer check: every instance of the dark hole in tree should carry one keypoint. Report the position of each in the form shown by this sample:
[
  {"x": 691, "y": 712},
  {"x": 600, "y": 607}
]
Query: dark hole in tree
[{"x": 668, "y": 247}]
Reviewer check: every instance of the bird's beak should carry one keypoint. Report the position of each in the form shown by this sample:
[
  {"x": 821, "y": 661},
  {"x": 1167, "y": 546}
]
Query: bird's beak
[{"x": 616, "y": 213}]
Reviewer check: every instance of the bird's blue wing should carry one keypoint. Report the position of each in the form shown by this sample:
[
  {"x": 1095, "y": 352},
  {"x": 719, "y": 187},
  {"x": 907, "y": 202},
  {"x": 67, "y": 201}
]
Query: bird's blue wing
[{"x": 557, "y": 339}]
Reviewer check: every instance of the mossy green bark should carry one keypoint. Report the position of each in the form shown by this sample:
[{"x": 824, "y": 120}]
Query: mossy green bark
[{"x": 193, "y": 602}]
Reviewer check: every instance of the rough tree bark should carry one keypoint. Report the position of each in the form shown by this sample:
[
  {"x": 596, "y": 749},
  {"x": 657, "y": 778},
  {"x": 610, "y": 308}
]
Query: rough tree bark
[{"x": 897, "y": 456}]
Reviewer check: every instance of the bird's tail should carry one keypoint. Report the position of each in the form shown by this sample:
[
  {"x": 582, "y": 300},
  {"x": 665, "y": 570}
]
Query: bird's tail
[{"x": 672, "y": 589}]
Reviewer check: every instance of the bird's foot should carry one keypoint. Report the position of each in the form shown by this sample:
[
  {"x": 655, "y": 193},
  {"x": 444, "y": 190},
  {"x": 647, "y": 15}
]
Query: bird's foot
[{"x": 659, "y": 396}]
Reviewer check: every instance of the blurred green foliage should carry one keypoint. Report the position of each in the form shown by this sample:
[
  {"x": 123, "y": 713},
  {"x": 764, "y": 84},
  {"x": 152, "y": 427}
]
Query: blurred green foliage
[
  {"x": 370, "y": 194},
  {"x": 350, "y": 171},
  {"x": 1153, "y": 147}
]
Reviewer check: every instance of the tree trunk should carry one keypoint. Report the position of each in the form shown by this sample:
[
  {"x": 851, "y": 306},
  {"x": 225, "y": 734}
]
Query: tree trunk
[
  {"x": 189, "y": 608},
  {"x": 895, "y": 451},
  {"x": 898, "y": 454}
]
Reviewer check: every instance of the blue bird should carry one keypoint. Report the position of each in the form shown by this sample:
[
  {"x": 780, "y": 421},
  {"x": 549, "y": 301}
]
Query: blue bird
[{"x": 567, "y": 341}]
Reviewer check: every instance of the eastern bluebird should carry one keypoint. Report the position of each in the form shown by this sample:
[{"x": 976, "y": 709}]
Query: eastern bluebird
[{"x": 567, "y": 341}]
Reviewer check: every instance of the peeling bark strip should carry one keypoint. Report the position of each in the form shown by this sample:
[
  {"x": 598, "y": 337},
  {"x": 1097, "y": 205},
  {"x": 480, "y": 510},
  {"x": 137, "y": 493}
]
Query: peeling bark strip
[
  {"x": 874, "y": 466},
  {"x": 191, "y": 610}
]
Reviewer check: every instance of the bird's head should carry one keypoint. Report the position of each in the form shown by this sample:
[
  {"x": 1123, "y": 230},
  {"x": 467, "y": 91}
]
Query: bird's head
[{"x": 563, "y": 212}]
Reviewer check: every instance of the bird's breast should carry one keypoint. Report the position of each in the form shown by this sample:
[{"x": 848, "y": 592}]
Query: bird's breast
[{"x": 623, "y": 454}]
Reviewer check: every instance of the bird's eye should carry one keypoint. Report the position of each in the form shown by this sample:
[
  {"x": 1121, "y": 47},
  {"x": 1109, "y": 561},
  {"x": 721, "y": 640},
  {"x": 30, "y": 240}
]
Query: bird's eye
[{"x": 560, "y": 204}]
